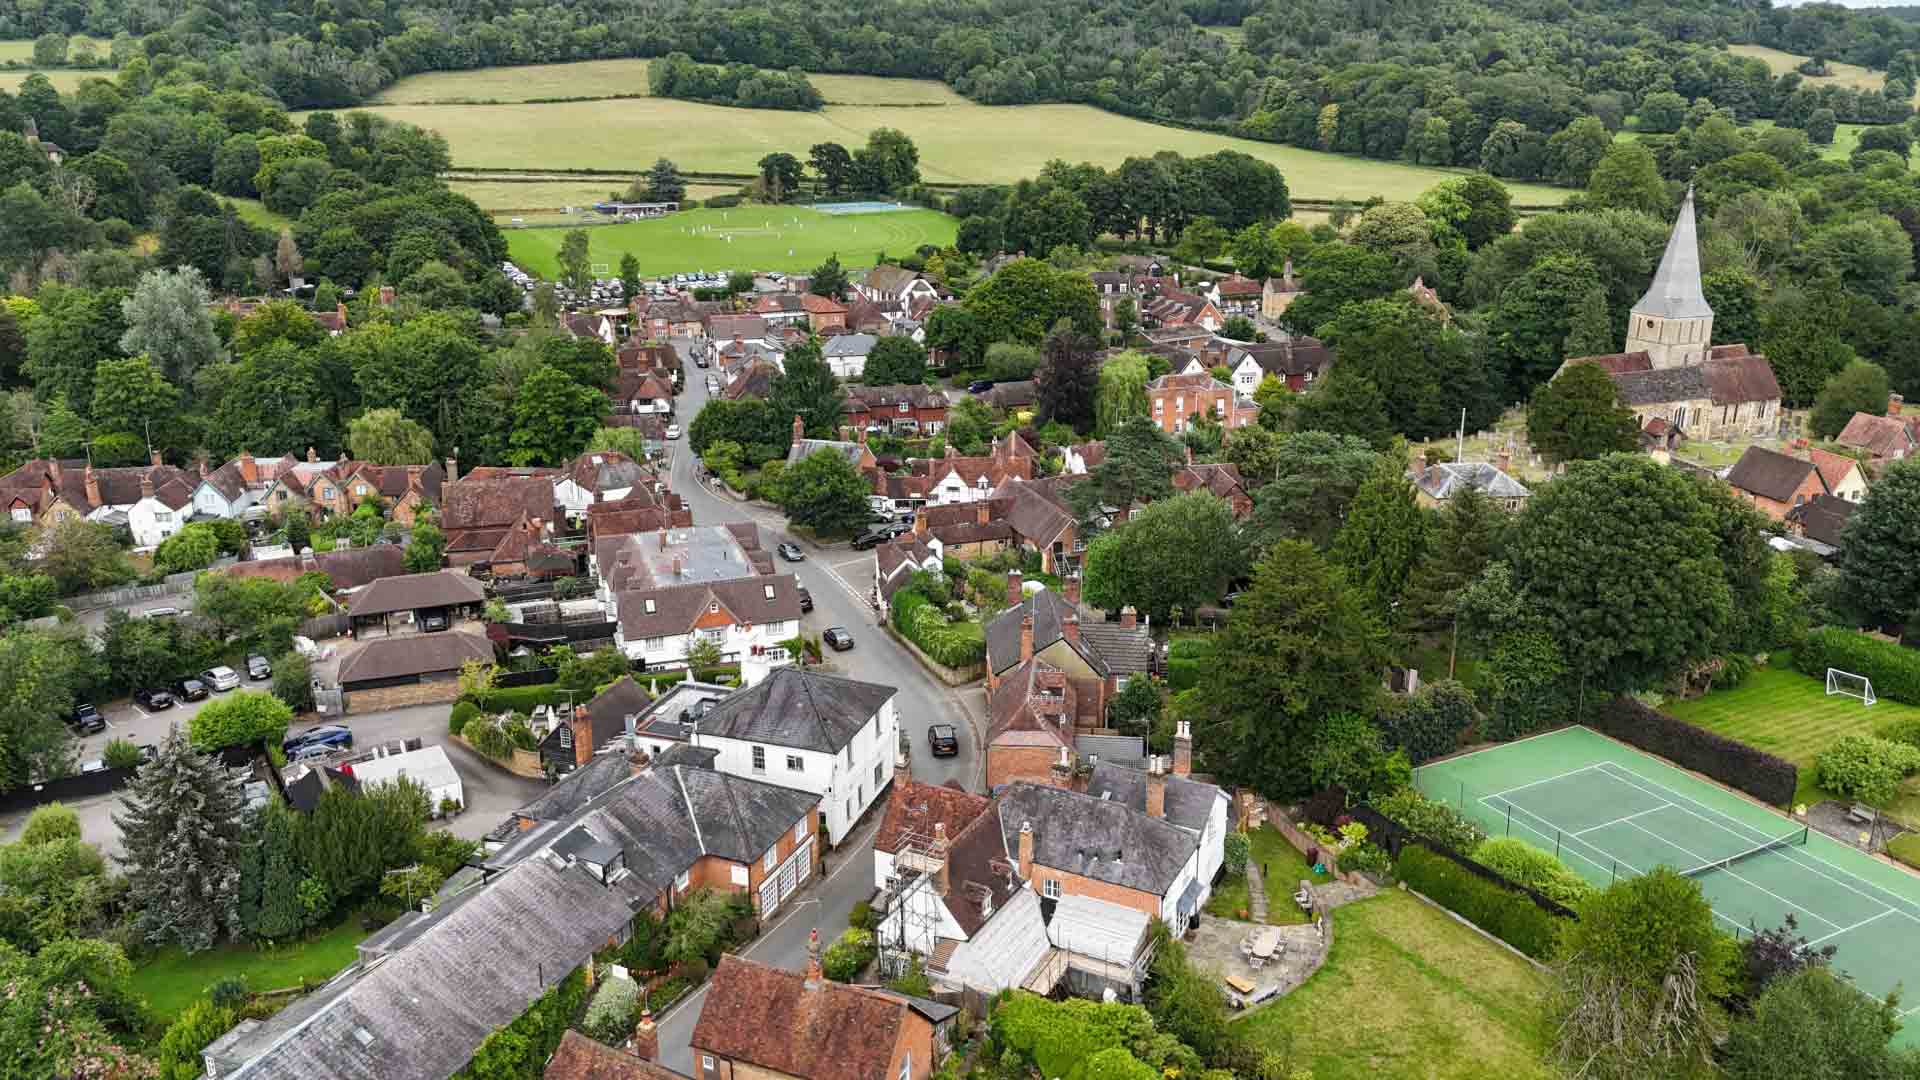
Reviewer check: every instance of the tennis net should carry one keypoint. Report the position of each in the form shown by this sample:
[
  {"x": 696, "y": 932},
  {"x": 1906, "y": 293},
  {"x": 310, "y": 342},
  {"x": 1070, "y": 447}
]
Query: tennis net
[{"x": 1792, "y": 838}]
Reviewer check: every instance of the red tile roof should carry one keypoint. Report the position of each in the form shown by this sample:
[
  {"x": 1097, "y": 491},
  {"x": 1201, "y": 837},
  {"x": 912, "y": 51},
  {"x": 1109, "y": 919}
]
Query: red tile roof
[
  {"x": 915, "y": 808},
  {"x": 777, "y": 1020}
]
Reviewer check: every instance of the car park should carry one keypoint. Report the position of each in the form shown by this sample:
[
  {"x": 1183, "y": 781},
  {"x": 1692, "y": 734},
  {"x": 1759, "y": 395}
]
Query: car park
[
  {"x": 153, "y": 698},
  {"x": 222, "y": 678},
  {"x": 838, "y": 637},
  {"x": 791, "y": 552},
  {"x": 324, "y": 739},
  {"x": 943, "y": 739},
  {"x": 258, "y": 668},
  {"x": 87, "y": 719},
  {"x": 189, "y": 689}
]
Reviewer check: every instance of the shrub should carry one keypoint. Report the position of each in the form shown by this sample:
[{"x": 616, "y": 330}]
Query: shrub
[
  {"x": 519, "y": 732},
  {"x": 955, "y": 645},
  {"x": 1894, "y": 669},
  {"x": 1906, "y": 848},
  {"x": 1434, "y": 822},
  {"x": 484, "y": 735},
  {"x": 861, "y": 918},
  {"x": 463, "y": 712},
  {"x": 244, "y": 718},
  {"x": 1365, "y": 858},
  {"x": 1429, "y": 723},
  {"x": 54, "y": 821},
  {"x": 1508, "y": 915},
  {"x": 1521, "y": 862},
  {"x": 1734, "y": 669},
  {"x": 121, "y": 754},
  {"x": 1736, "y": 764},
  {"x": 1188, "y": 661},
  {"x": 1901, "y": 731},
  {"x": 848, "y": 956},
  {"x": 228, "y": 992},
  {"x": 1866, "y": 768},
  {"x": 1236, "y": 849},
  {"x": 610, "y": 1015},
  {"x": 520, "y": 699},
  {"x": 178, "y": 1055}
]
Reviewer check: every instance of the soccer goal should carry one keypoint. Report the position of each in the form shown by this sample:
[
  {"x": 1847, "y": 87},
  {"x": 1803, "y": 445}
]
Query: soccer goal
[{"x": 1847, "y": 684}]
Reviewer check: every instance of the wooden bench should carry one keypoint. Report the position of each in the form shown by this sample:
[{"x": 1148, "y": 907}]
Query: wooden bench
[{"x": 1861, "y": 813}]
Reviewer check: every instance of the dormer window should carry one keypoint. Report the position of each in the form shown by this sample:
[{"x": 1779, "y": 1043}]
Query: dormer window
[
  {"x": 713, "y": 607},
  {"x": 650, "y": 605}
]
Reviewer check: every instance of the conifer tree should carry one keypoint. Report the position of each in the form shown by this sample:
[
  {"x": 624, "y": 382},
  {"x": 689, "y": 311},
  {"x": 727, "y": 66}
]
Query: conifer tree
[{"x": 182, "y": 834}]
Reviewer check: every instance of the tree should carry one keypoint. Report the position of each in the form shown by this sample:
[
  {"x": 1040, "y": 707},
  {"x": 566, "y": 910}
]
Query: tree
[
  {"x": 170, "y": 320},
  {"x": 1136, "y": 709},
  {"x": 824, "y": 492},
  {"x": 293, "y": 680},
  {"x": 780, "y": 176},
  {"x": 39, "y": 682},
  {"x": 181, "y": 831},
  {"x": 629, "y": 275},
  {"x": 278, "y": 321},
  {"x": 832, "y": 165},
  {"x": 1256, "y": 251},
  {"x": 71, "y": 331},
  {"x": 1346, "y": 403},
  {"x": 350, "y": 839},
  {"x": 385, "y": 437},
  {"x": 1315, "y": 475},
  {"x": 553, "y": 416},
  {"x": 1137, "y": 468},
  {"x": 128, "y": 395},
  {"x": 576, "y": 267},
  {"x": 1383, "y": 538},
  {"x": 1336, "y": 275},
  {"x": 1177, "y": 553},
  {"x": 270, "y": 876},
  {"x": 1426, "y": 370},
  {"x": 81, "y": 556},
  {"x": 1638, "y": 973},
  {"x": 828, "y": 279},
  {"x": 1466, "y": 535},
  {"x": 194, "y": 547},
  {"x": 1201, "y": 241},
  {"x": 287, "y": 260},
  {"x": 895, "y": 359},
  {"x": 1024, "y": 299},
  {"x": 299, "y": 535},
  {"x": 1859, "y": 387},
  {"x": 245, "y": 718},
  {"x": 1239, "y": 328},
  {"x": 1814, "y": 1024},
  {"x": 1064, "y": 386},
  {"x": 889, "y": 162},
  {"x": 1476, "y": 207},
  {"x": 1579, "y": 416},
  {"x": 1628, "y": 178},
  {"x": 1620, "y": 561},
  {"x": 1299, "y": 645},
  {"x": 1121, "y": 393},
  {"x": 1880, "y": 558},
  {"x": 425, "y": 548},
  {"x": 664, "y": 183},
  {"x": 1821, "y": 126},
  {"x": 954, "y": 333},
  {"x": 1535, "y": 314},
  {"x": 1869, "y": 256},
  {"x": 1802, "y": 334},
  {"x": 807, "y": 388}
]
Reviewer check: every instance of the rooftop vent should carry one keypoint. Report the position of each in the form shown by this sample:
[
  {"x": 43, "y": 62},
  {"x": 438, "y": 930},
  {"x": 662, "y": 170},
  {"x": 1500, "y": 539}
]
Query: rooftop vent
[{"x": 363, "y": 1036}]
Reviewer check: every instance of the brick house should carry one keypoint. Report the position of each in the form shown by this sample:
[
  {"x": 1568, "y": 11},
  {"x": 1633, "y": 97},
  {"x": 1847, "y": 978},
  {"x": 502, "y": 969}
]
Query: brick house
[
  {"x": 1844, "y": 476},
  {"x": 1236, "y": 295},
  {"x": 1296, "y": 360},
  {"x": 1043, "y": 522},
  {"x": 760, "y": 1021},
  {"x": 920, "y": 410},
  {"x": 238, "y": 486},
  {"x": 963, "y": 530},
  {"x": 825, "y": 315},
  {"x": 895, "y": 563},
  {"x": 915, "y": 812},
  {"x": 1175, "y": 399},
  {"x": 1881, "y": 438},
  {"x": 1097, "y": 656},
  {"x": 666, "y": 318},
  {"x": 1278, "y": 293},
  {"x": 153, "y": 501},
  {"x": 1774, "y": 482},
  {"x": 493, "y": 517},
  {"x": 404, "y": 491},
  {"x": 659, "y": 626},
  {"x": 1174, "y": 307}
]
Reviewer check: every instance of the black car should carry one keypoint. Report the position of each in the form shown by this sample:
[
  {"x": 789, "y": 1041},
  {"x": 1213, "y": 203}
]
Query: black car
[
  {"x": 806, "y": 599},
  {"x": 838, "y": 637},
  {"x": 189, "y": 689},
  {"x": 699, "y": 360},
  {"x": 943, "y": 739},
  {"x": 87, "y": 719},
  {"x": 872, "y": 538},
  {"x": 791, "y": 552},
  {"x": 979, "y": 386},
  {"x": 152, "y": 699},
  {"x": 258, "y": 668},
  {"x": 321, "y": 740}
]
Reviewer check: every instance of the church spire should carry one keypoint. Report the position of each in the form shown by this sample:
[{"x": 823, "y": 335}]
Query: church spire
[{"x": 1675, "y": 292}]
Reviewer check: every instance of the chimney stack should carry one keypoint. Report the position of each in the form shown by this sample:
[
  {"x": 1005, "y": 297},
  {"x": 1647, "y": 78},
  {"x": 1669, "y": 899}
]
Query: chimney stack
[
  {"x": 340, "y": 309},
  {"x": 1189, "y": 455},
  {"x": 799, "y": 429},
  {"x": 920, "y": 522},
  {"x": 1503, "y": 460},
  {"x": 453, "y": 469},
  {"x": 1894, "y": 402},
  {"x": 1070, "y": 628},
  {"x": 1156, "y": 787},
  {"x": 311, "y": 456},
  {"x": 1060, "y": 773},
  {"x": 93, "y": 486},
  {"x": 951, "y": 452},
  {"x": 982, "y": 512},
  {"x": 1129, "y": 617},
  {"x": 1014, "y": 593},
  {"x": 1026, "y": 851},
  {"x": 646, "y": 1038},
  {"x": 201, "y": 463},
  {"x": 1183, "y": 749},
  {"x": 941, "y": 882},
  {"x": 582, "y": 736},
  {"x": 386, "y": 296},
  {"x": 1070, "y": 588},
  {"x": 813, "y": 958},
  {"x": 146, "y": 485},
  {"x": 1026, "y": 637},
  {"x": 153, "y": 458}
]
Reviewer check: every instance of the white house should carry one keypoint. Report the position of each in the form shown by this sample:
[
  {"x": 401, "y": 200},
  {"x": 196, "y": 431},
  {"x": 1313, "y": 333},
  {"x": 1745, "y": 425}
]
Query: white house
[
  {"x": 608, "y": 474},
  {"x": 238, "y": 486},
  {"x": 833, "y": 736},
  {"x": 428, "y": 767},
  {"x": 660, "y": 626},
  {"x": 846, "y": 354},
  {"x": 159, "y": 513}
]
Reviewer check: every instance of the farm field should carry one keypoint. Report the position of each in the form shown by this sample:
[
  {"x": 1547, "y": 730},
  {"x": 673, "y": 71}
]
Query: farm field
[
  {"x": 1779, "y": 63},
  {"x": 761, "y": 239},
  {"x": 625, "y": 78},
  {"x": 1409, "y": 992},
  {"x": 255, "y": 212},
  {"x": 503, "y": 197},
  {"x": 65, "y": 80},
  {"x": 20, "y": 50},
  {"x": 1845, "y": 138},
  {"x": 959, "y": 142}
]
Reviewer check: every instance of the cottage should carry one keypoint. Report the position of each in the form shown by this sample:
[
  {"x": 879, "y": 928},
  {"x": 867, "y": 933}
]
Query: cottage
[
  {"x": 846, "y": 354},
  {"x": 825, "y": 315},
  {"x": 1880, "y": 438},
  {"x": 1279, "y": 293},
  {"x": 494, "y": 517},
  {"x": 1175, "y": 308},
  {"x": 153, "y": 501},
  {"x": 889, "y": 283},
  {"x": 238, "y": 488},
  {"x": 602, "y": 476},
  {"x": 1236, "y": 295},
  {"x": 1436, "y": 482},
  {"x": 1844, "y": 476},
  {"x": 895, "y": 563},
  {"x": 913, "y": 410},
  {"x": 347, "y": 569},
  {"x": 1775, "y": 482},
  {"x": 807, "y": 1027},
  {"x": 915, "y": 814},
  {"x": 1294, "y": 360}
]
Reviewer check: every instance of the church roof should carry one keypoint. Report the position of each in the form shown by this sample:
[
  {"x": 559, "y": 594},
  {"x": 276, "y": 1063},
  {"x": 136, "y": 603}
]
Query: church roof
[{"x": 1675, "y": 292}]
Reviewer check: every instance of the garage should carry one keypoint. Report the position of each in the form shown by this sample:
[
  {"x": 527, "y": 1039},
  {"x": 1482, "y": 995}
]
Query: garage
[{"x": 782, "y": 883}]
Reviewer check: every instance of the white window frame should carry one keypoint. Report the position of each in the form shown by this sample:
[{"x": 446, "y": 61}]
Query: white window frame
[
  {"x": 772, "y": 860},
  {"x": 796, "y": 763},
  {"x": 759, "y": 759},
  {"x": 685, "y": 879},
  {"x": 1050, "y": 888},
  {"x": 800, "y": 831}
]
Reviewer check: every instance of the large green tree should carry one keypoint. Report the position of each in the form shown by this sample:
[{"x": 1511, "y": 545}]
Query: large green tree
[
  {"x": 1334, "y": 276},
  {"x": 553, "y": 417},
  {"x": 385, "y": 437},
  {"x": 1177, "y": 553},
  {"x": 39, "y": 682},
  {"x": 1579, "y": 415},
  {"x": 170, "y": 320},
  {"x": 1880, "y": 552},
  {"x": 1025, "y": 298},
  {"x": 1426, "y": 370},
  {"x": 180, "y": 825},
  {"x": 1069, "y": 374},
  {"x": 1315, "y": 477},
  {"x": 130, "y": 395},
  {"x": 895, "y": 359},
  {"x": 825, "y": 493},
  {"x": 1859, "y": 387},
  {"x": 1815, "y": 1025},
  {"x": 1138, "y": 467},
  {"x": 807, "y": 388},
  {"x": 1121, "y": 393},
  {"x": 1383, "y": 538}
]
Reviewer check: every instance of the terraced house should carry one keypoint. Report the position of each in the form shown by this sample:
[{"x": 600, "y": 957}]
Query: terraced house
[{"x": 152, "y": 501}]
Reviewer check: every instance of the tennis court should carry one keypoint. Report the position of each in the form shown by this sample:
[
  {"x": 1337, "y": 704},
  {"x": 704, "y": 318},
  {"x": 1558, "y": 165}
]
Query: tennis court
[{"x": 1610, "y": 811}]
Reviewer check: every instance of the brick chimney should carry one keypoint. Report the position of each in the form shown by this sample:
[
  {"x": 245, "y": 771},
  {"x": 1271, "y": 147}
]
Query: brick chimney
[
  {"x": 951, "y": 452},
  {"x": 311, "y": 456},
  {"x": 1128, "y": 617},
  {"x": 1060, "y": 773},
  {"x": 920, "y": 522},
  {"x": 340, "y": 309},
  {"x": 386, "y": 296},
  {"x": 646, "y": 1038},
  {"x": 1894, "y": 402},
  {"x": 1070, "y": 628},
  {"x": 249, "y": 469},
  {"x": 1070, "y": 588},
  {"x": 1014, "y": 593},
  {"x": 153, "y": 458},
  {"x": 860, "y": 434},
  {"x": 1189, "y": 455},
  {"x": 1026, "y": 635},
  {"x": 93, "y": 486},
  {"x": 982, "y": 512},
  {"x": 941, "y": 881},
  {"x": 201, "y": 463},
  {"x": 799, "y": 429},
  {"x": 813, "y": 958},
  {"x": 146, "y": 485},
  {"x": 1503, "y": 460},
  {"x": 1156, "y": 787},
  {"x": 453, "y": 469},
  {"x": 1183, "y": 749},
  {"x": 582, "y": 736},
  {"x": 1026, "y": 851}
]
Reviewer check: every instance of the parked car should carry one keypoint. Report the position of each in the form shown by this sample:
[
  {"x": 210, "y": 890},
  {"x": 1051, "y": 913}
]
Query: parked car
[
  {"x": 944, "y": 740},
  {"x": 158, "y": 613},
  {"x": 791, "y": 552},
  {"x": 699, "y": 360},
  {"x": 258, "y": 668},
  {"x": 872, "y": 538},
  {"x": 673, "y": 431},
  {"x": 152, "y": 698},
  {"x": 806, "y": 599},
  {"x": 86, "y": 719},
  {"x": 222, "y": 678},
  {"x": 324, "y": 739},
  {"x": 189, "y": 689},
  {"x": 838, "y": 637},
  {"x": 434, "y": 621},
  {"x": 979, "y": 386}
]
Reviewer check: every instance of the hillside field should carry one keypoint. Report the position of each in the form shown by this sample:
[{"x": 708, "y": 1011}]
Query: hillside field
[
  {"x": 745, "y": 237},
  {"x": 65, "y": 80},
  {"x": 626, "y": 78},
  {"x": 1779, "y": 63}
]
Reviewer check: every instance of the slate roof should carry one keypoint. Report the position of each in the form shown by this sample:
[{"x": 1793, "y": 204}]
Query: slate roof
[
  {"x": 1012, "y": 395},
  {"x": 980, "y": 866},
  {"x": 1675, "y": 290},
  {"x": 915, "y": 808},
  {"x": 1106, "y": 840},
  {"x": 806, "y": 448},
  {"x": 801, "y": 709},
  {"x": 1189, "y": 802},
  {"x": 821, "y": 1030},
  {"x": 1112, "y": 649},
  {"x": 414, "y": 654},
  {"x": 578, "y": 788},
  {"x": 848, "y": 345},
  {"x": 1442, "y": 480},
  {"x": 581, "y": 1058},
  {"x": 1823, "y": 518},
  {"x": 608, "y": 711},
  {"x": 728, "y": 327},
  {"x": 1295, "y": 356},
  {"x": 1770, "y": 474},
  {"x": 408, "y": 592}
]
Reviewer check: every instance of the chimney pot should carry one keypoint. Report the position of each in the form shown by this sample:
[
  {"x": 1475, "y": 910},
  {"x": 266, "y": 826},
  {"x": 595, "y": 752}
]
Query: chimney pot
[
  {"x": 920, "y": 522},
  {"x": 1026, "y": 851},
  {"x": 1129, "y": 617},
  {"x": 1894, "y": 404},
  {"x": 1014, "y": 593},
  {"x": 153, "y": 458},
  {"x": 813, "y": 958},
  {"x": 453, "y": 468},
  {"x": 646, "y": 1038},
  {"x": 1156, "y": 788},
  {"x": 1183, "y": 749},
  {"x": 311, "y": 455}
]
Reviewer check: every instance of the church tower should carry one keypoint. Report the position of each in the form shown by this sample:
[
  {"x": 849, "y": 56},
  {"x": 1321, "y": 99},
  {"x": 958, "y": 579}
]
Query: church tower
[{"x": 1673, "y": 323}]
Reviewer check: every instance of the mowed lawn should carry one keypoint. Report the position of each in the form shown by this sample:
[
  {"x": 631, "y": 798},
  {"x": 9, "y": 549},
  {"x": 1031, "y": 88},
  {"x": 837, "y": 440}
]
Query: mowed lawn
[
  {"x": 65, "y": 80},
  {"x": 621, "y": 78},
  {"x": 959, "y": 142},
  {"x": 1282, "y": 868},
  {"x": 745, "y": 237},
  {"x": 1409, "y": 992},
  {"x": 173, "y": 980},
  {"x": 1782, "y": 711},
  {"x": 504, "y": 197}
]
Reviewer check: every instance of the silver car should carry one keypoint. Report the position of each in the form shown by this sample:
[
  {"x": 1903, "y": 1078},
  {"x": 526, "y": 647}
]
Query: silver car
[{"x": 221, "y": 678}]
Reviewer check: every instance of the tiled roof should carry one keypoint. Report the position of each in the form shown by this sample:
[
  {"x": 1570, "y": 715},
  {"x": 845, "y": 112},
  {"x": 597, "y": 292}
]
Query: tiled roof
[
  {"x": 414, "y": 654},
  {"x": 914, "y": 808},
  {"x": 479, "y": 503},
  {"x": 1189, "y": 802},
  {"x": 868, "y": 398},
  {"x": 1198, "y": 382},
  {"x": 726, "y": 327},
  {"x": 1823, "y": 518},
  {"x": 610, "y": 470},
  {"x": 1033, "y": 512},
  {"x": 1881, "y": 436},
  {"x": 581, "y": 1058},
  {"x": 1833, "y": 467},
  {"x": 821, "y": 305},
  {"x": 1024, "y": 710},
  {"x": 1106, "y": 840},
  {"x": 820, "y": 1030},
  {"x": 800, "y": 709},
  {"x": 1737, "y": 380},
  {"x": 1657, "y": 386},
  {"x": 608, "y": 711},
  {"x": 1443, "y": 479},
  {"x": 1294, "y": 356},
  {"x": 676, "y": 607},
  {"x": 1770, "y": 473},
  {"x": 1009, "y": 395},
  {"x": 407, "y": 592}
]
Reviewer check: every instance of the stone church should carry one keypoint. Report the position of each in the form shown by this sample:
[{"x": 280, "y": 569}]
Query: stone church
[{"x": 1678, "y": 384}]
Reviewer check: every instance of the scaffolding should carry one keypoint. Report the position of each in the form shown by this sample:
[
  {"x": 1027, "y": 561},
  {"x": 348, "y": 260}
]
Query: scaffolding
[{"x": 919, "y": 856}]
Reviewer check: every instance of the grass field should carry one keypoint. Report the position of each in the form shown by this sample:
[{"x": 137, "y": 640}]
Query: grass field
[
  {"x": 624, "y": 78},
  {"x": 762, "y": 238},
  {"x": 1782, "y": 711},
  {"x": 1779, "y": 63},
  {"x": 255, "y": 212},
  {"x": 1409, "y": 992},
  {"x": 20, "y": 50},
  {"x": 65, "y": 80},
  {"x": 1283, "y": 868},
  {"x": 172, "y": 980},
  {"x": 503, "y": 197},
  {"x": 959, "y": 142}
]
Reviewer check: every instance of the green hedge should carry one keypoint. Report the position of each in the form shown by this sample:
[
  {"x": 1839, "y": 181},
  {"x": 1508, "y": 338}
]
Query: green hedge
[
  {"x": 956, "y": 645},
  {"x": 1894, "y": 669},
  {"x": 1188, "y": 661},
  {"x": 522, "y": 699},
  {"x": 1507, "y": 915}
]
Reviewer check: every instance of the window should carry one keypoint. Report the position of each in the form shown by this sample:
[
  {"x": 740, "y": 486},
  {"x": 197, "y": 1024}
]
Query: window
[
  {"x": 326, "y": 492},
  {"x": 680, "y": 883},
  {"x": 772, "y": 860},
  {"x": 162, "y": 518},
  {"x": 1119, "y": 683},
  {"x": 794, "y": 764},
  {"x": 1050, "y": 888},
  {"x": 706, "y": 1062},
  {"x": 759, "y": 759},
  {"x": 655, "y": 644},
  {"x": 800, "y": 831},
  {"x": 716, "y": 636},
  {"x": 769, "y": 592},
  {"x": 903, "y": 408}
]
